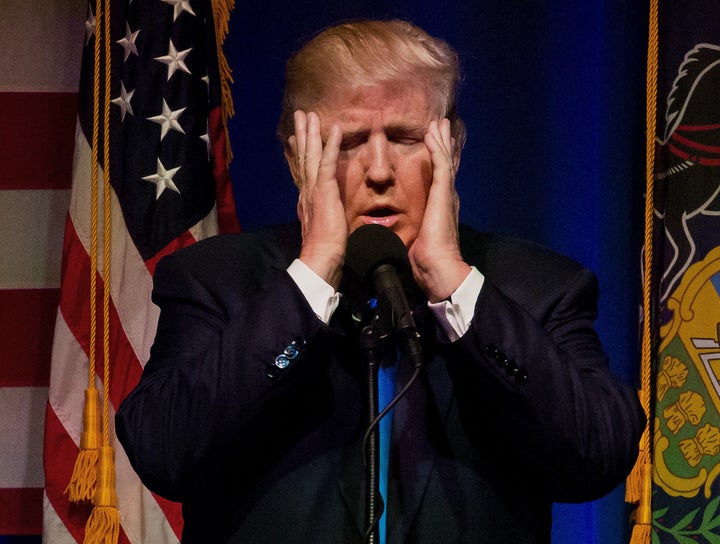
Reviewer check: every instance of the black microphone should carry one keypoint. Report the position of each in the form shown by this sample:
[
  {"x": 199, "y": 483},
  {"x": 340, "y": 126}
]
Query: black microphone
[{"x": 378, "y": 259}]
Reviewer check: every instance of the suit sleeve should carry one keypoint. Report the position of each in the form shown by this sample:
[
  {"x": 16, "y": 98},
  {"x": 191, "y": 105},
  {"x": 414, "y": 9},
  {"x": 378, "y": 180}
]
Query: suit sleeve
[
  {"x": 212, "y": 380},
  {"x": 537, "y": 389}
]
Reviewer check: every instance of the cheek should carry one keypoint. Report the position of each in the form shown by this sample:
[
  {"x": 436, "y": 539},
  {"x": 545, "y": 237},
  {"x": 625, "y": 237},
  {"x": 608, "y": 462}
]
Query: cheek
[
  {"x": 426, "y": 174},
  {"x": 419, "y": 176}
]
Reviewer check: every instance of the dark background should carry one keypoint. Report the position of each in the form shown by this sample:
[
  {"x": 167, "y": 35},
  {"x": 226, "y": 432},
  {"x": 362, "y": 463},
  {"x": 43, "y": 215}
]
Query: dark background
[{"x": 554, "y": 101}]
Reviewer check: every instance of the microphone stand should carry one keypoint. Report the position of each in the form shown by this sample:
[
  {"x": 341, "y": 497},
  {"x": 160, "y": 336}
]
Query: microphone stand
[{"x": 370, "y": 346}]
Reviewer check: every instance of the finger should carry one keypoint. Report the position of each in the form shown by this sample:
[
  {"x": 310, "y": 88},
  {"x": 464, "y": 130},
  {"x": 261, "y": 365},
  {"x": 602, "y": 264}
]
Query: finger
[
  {"x": 313, "y": 149},
  {"x": 292, "y": 159},
  {"x": 450, "y": 144},
  {"x": 440, "y": 138},
  {"x": 445, "y": 132},
  {"x": 439, "y": 142},
  {"x": 300, "y": 118},
  {"x": 297, "y": 144},
  {"x": 328, "y": 164},
  {"x": 443, "y": 203}
]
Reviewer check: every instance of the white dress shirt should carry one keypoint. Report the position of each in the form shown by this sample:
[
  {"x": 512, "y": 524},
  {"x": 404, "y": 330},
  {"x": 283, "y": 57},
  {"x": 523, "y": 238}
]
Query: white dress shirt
[{"x": 453, "y": 316}]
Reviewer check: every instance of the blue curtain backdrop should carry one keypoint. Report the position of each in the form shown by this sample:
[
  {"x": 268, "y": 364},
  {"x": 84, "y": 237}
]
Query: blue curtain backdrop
[{"x": 553, "y": 98}]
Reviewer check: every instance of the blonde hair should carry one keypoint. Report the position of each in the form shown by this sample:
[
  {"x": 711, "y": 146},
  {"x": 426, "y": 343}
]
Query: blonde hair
[{"x": 369, "y": 53}]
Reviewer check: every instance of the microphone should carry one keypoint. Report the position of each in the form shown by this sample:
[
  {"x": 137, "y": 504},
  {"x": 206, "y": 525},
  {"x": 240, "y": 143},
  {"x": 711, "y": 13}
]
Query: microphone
[{"x": 377, "y": 258}]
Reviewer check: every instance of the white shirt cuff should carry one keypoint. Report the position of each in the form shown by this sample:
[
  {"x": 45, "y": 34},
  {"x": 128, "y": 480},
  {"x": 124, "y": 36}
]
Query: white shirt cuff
[
  {"x": 454, "y": 315},
  {"x": 320, "y": 295}
]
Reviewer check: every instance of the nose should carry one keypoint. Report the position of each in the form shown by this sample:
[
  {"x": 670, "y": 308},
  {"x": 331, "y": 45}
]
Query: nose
[{"x": 380, "y": 167}]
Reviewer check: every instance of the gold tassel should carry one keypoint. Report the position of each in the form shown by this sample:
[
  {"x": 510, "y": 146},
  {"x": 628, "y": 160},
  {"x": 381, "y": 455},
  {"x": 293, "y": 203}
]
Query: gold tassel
[
  {"x": 84, "y": 477},
  {"x": 641, "y": 532},
  {"x": 633, "y": 483},
  {"x": 639, "y": 483},
  {"x": 640, "y": 476},
  {"x": 103, "y": 526}
]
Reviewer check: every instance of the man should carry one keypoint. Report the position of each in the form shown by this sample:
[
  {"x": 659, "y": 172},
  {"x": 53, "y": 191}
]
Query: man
[{"x": 252, "y": 408}]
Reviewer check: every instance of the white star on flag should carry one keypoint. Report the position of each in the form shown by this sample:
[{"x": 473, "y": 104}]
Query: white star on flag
[
  {"x": 175, "y": 60},
  {"x": 179, "y": 6},
  {"x": 128, "y": 42},
  {"x": 163, "y": 179},
  {"x": 90, "y": 26},
  {"x": 124, "y": 101},
  {"x": 206, "y": 138},
  {"x": 168, "y": 120}
]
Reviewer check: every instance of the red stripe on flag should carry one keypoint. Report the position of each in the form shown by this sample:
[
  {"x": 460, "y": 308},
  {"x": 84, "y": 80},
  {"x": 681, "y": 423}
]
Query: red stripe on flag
[
  {"x": 125, "y": 368},
  {"x": 21, "y": 511},
  {"x": 184, "y": 240},
  {"x": 37, "y": 135},
  {"x": 173, "y": 514},
  {"x": 227, "y": 215},
  {"x": 27, "y": 319}
]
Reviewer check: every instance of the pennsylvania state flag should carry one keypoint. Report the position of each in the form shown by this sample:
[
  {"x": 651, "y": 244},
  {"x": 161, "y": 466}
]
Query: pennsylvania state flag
[{"x": 684, "y": 432}]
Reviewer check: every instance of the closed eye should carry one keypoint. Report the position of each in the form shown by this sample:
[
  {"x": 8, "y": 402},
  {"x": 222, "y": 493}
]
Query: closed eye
[
  {"x": 407, "y": 140},
  {"x": 353, "y": 140},
  {"x": 404, "y": 136}
]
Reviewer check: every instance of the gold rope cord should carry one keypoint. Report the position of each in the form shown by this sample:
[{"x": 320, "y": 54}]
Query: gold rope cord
[
  {"x": 94, "y": 473},
  {"x": 103, "y": 525},
  {"x": 83, "y": 481},
  {"x": 639, "y": 484}
]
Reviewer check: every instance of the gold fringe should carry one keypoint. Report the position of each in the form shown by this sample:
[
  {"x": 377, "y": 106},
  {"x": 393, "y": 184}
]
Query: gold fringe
[
  {"x": 640, "y": 534},
  {"x": 642, "y": 517},
  {"x": 221, "y": 16},
  {"x": 633, "y": 483},
  {"x": 83, "y": 481},
  {"x": 103, "y": 525}
]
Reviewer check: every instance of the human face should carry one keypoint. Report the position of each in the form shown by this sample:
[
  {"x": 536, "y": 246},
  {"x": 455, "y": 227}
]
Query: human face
[{"x": 384, "y": 169}]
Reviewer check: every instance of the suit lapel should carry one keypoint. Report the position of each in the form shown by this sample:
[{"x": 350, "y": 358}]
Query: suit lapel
[{"x": 344, "y": 430}]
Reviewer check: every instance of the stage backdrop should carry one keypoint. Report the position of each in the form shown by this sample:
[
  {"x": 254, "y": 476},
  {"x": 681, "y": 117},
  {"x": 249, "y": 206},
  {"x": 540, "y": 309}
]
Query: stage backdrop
[{"x": 553, "y": 99}]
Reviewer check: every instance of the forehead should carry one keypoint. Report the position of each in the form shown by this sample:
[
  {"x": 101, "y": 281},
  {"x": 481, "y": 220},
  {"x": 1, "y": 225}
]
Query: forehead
[{"x": 387, "y": 103}]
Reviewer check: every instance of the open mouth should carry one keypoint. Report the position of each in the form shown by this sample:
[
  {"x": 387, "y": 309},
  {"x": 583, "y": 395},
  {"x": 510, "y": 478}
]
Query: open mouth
[
  {"x": 385, "y": 216},
  {"x": 381, "y": 212}
]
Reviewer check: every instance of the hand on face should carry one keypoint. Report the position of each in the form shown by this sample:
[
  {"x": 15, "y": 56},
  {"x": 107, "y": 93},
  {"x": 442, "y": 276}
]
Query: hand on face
[
  {"x": 320, "y": 210},
  {"x": 438, "y": 267},
  {"x": 434, "y": 253}
]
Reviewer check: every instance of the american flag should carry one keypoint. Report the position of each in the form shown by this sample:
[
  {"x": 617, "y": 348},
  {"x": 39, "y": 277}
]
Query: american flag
[
  {"x": 169, "y": 188},
  {"x": 40, "y": 67}
]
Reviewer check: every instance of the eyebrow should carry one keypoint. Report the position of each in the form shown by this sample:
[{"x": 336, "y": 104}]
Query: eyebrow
[
  {"x": 405, "y": 130},
  {"x": 390, "y": 130}
]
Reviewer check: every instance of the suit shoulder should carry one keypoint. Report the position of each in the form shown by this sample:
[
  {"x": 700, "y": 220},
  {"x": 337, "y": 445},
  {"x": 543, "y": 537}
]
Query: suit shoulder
[
  {"x": 232, "y": 256},
  {"x": 521, "y": 269},
  {"x": 489, "y": 250}
]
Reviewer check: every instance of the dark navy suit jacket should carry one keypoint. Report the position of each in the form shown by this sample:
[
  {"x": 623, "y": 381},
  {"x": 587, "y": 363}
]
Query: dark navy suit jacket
[{"x": 519, "y": 412}]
